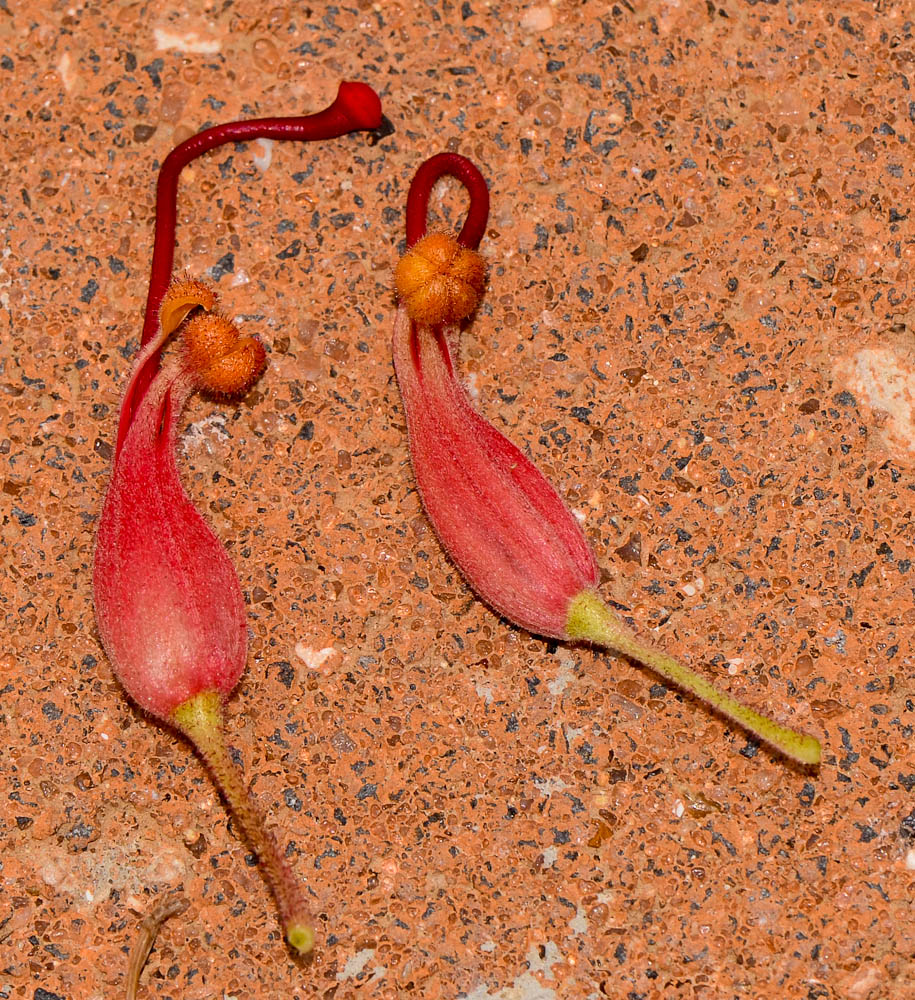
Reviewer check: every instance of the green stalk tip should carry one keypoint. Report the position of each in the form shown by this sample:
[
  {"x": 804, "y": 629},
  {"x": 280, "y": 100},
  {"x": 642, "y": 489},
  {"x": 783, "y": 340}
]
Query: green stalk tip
[
  {"x": 201, "y": 720},
  {"x": 590, "y": 620},
  {"x": 301, "y": 938}
]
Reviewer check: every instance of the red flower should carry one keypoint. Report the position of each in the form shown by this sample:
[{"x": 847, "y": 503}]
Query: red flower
[
  {"x": 496, "y": 515},
  {"x": 169, "y": 607}
]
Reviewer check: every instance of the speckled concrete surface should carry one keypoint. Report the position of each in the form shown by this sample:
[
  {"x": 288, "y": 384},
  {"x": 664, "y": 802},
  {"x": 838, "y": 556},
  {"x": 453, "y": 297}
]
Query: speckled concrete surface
[{"x": 698, "y": 321}]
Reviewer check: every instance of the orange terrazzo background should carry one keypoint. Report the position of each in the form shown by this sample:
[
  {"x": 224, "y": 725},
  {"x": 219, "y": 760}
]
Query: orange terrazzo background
[{"x": 699, "y": 323}]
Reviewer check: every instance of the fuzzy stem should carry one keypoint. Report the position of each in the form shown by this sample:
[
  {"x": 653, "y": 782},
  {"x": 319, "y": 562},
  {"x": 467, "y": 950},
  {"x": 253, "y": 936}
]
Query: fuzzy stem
[
  {"x": 591, "y": 620},
  {"x": 202, "y": 721},
  {"x": 424, "y": 180}
]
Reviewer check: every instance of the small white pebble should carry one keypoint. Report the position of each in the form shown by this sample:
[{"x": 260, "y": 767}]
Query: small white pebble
[
  {"x": 65, "y": 70},
  {"x": 313, "y": 659},
  {"x": 679, "y": 808},
  {"x": 485, "y": 693},
  {"x": 189, "y": 42},
  {"x": 910, "y": 859},
  {"x": 263, "y": 153},
  {"x": 579, "y": 923},
  {"x": 537, "y": 19},
  {"x": 355, "y": 964}
]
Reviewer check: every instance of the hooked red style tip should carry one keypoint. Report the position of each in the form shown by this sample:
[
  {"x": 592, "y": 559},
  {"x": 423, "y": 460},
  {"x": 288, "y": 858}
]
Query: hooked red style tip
[
  {"x": 424, "y": 180},
  {"x": 358, "y": 105}
]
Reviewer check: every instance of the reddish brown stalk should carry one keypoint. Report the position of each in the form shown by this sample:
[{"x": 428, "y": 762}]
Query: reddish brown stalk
[{"x": 166, "y": 908}]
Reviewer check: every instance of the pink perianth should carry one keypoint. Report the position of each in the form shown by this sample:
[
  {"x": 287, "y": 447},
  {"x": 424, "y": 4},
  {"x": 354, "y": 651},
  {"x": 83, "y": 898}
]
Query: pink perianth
[
  {"x": 169, "y": 608},
  {"x": 497, "y": 516}
]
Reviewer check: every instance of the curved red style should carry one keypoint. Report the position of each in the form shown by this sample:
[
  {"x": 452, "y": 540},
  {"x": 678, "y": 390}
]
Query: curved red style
[
  {"x": 424, "y": 180},
  {"x": 357, "y": 107}
]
